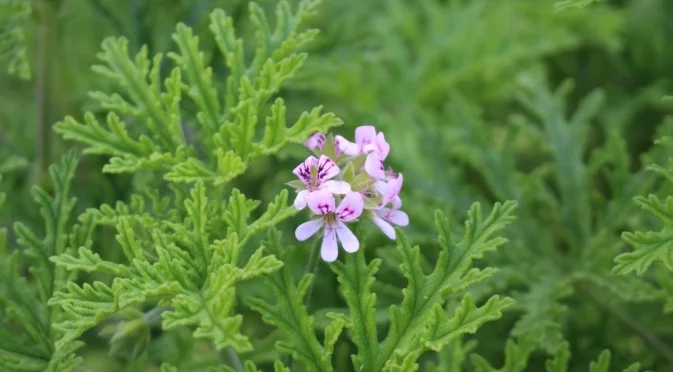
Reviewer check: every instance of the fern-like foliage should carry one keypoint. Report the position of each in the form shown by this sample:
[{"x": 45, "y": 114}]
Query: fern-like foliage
[
  {"x": 14, "y": 15},
  {"x": 518, "y": 353},
  {"x": 216, "y": 144},
  {"x": 28, "y": 340},
  {"x": 652, "y": 246},
  {"x": 419, "y": 324},
  {"x": 184, "y": 252}
]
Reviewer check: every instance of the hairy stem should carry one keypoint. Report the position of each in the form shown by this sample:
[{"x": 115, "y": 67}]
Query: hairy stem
[{"x": 631, "y": 323}]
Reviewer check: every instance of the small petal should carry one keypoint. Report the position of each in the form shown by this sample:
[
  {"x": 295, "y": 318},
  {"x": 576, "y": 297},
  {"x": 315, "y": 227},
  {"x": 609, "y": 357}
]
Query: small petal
[
  {"x": 374, "y": 166},
  {"x": 397, "y": 202},
  {"x": 300, "y": 200},
  {"x": 303, "y": 170},
  {"x": 393, "y": 215},
  {"x": 321, "y": 202},
  {"x": 345, "y": 146},
  {"x": 382, "y": 145},
  {"x": 348, "y": 240},
  {"x": 329, "y": 251},
  {"x": 337, "y": 187},
  {"x": 316, "y": 141},
  {"x": 351, "y": 207},
  {"x": 393, "y": 189},
  {"x": 399, "y": 218},
  {"x": 364, "y": 135},
  {"x": 387, "y": 228},
  {"x": 380, "y": 187},
  {"x": 327, "y": 169},
  {"x": 307, "y": 229}
]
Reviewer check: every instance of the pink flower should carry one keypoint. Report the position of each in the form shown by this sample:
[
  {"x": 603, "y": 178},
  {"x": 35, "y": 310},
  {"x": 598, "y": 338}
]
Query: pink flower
[
  {"x": 322, "y": 203},
  {"x": 316, "y": 141},
  {"x": 316, "y": 174},
  {"x": 382, "y": 216},
  {"x": 367, "y": 141}
]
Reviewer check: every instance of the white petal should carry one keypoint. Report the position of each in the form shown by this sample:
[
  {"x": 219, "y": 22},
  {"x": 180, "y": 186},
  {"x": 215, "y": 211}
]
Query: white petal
[
  {"x": 303, "y": 170},
  {"x": 345, "y": 146},
  {"x": 300, "y": 200},
  {"x": 307, "y": 229},
  {"x": 337, "y": 187},
  {"x": 374, "y": 166},
  {"x": 398, "y": 218},
  {"x": 327, "y": 169},
  {"x": 348, "y": 240},
  {"x": 393, "y": 215},
  {"x": 384, "y": 226},
  {"x": 321, "y": 202},
  {"x": 351, "y": 207},
  {"x": 329, "y": 249}
]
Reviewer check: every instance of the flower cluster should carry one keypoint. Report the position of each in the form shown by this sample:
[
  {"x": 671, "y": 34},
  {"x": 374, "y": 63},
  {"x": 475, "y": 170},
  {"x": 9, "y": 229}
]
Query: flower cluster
[{"x": 344, "y": 181}]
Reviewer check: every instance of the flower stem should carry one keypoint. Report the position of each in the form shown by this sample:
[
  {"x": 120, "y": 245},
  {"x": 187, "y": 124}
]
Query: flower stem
[{"x": 311, "y": 268}]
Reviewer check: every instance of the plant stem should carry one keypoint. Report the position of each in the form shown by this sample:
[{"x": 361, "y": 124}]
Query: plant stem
[
  {"x": 646, "y": 335},
  {"x": 311, "y": 268},
  {"x": 234, "y": 359},
  {"x": 46, "y": 36}
]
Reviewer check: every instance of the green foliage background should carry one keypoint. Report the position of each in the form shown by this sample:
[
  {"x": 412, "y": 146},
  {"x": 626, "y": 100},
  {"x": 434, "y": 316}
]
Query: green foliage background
[{"x": 553, "y": 104}]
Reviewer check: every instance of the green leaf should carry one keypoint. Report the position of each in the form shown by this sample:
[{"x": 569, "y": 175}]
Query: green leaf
[
  {"x": 467, "y": 319},
  {"x": 561, "y": 358},
  {"x": 402, "y": 346},
  {"x": 38, "y": 344},
  {"x": 356, "y": 279},
  {"x": 289, "y": 314}
]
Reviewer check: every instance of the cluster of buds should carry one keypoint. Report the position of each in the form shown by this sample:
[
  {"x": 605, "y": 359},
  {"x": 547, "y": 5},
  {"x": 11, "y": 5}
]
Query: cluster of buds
[{"x": 343, "y": 182}]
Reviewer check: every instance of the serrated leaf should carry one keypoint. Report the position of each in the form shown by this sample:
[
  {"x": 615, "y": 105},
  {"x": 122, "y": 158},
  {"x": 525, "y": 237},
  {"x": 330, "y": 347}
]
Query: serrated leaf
[{"x": 467, "y": 319}]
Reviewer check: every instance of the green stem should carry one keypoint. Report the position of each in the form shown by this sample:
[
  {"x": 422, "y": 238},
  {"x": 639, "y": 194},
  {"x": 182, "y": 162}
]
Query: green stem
[
  {"x": 44, "y": 62},
  {"x": 311, "y": 268},
  {"x": 234, "y": 359}
]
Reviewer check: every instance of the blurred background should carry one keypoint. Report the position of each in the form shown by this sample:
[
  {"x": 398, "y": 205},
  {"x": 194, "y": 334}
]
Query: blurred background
[{"x": 481, "y": 100}]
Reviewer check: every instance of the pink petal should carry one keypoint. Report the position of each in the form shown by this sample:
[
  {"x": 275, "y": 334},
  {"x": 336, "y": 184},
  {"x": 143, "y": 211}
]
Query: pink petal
[
  {"x": 303, "y": 170},
  {"x": 374, "y": 166},
  {"x": 393, "y": 215},
  {"x": 397, "y": 202},
  {"x": 348, "y": 240},
  {"x": 326, "y": 169},
  {"x": 399, "y": 218},
  {"x": 393, "y": 189},
  {"x": 351, "y": 207},
  {"x": 307, "y": 229},
  {"x": 345, "y": 146},
  {"x": 317, "y": 140},
  {"x": 380, "y": 187},
  {"x": 300, "y": 200},
  {"x": 337, "y": 187},
  {"x": 321, "y": 202},
  {"x": 365, "y": 135},
  {"x": 329, "y": 249},
  {"x": 384, "y": 226},
  {"x": 382, "y": 145}
]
